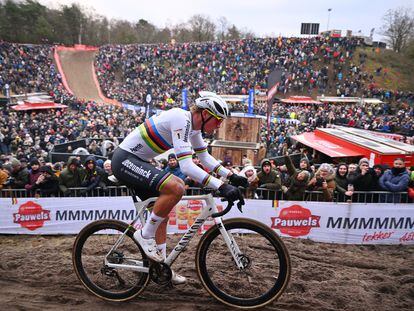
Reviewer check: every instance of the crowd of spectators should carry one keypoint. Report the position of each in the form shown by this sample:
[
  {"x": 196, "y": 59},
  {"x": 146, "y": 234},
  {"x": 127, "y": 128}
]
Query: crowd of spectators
[
  {"x": 356, "y": 182},
  {"x": 270, "y": 181},
  {"x": 35, "y": 134},
  {"x": 313, "y": 65},
  {"x": 27, "y": 68}
]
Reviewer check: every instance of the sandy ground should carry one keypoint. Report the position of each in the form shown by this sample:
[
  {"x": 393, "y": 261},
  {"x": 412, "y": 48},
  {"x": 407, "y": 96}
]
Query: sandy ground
[{"x": 36, "y": 274}]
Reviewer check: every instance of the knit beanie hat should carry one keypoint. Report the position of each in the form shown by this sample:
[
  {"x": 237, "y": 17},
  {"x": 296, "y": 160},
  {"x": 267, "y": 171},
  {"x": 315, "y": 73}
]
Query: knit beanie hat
[{"x": 363, "y": 160}]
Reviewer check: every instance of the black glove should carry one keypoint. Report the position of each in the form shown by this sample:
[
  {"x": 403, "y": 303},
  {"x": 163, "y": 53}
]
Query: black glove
[
  {"x": 230, "y": 193},
  {"x": 238, "y": 181}
]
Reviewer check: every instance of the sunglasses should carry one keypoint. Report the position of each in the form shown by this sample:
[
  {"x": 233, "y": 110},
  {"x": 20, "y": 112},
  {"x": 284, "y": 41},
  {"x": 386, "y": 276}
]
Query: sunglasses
[{"x": 215, "y": 116}]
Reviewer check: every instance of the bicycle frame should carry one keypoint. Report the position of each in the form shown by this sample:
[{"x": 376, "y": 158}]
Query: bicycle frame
[{"x": 209, "y": 209}]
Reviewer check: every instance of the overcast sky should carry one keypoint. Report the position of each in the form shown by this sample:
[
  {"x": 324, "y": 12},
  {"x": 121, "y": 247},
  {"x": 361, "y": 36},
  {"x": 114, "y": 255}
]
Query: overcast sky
[{"x": 263, "y": 17}]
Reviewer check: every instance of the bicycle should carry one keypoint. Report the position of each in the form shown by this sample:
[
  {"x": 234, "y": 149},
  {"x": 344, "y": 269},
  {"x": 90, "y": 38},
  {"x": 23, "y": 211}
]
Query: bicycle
[{"x": 256, "y": 266}]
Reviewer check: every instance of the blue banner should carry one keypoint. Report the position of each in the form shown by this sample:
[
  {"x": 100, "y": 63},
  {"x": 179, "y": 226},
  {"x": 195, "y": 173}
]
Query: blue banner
[
  {"x": 251, "y": 102},
  {"x": 184, "y": 98}
]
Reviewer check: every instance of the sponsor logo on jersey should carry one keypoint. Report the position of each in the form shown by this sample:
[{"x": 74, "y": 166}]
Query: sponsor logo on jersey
[
  {"x": 136, "y": 169},
  {"x": 187, "y": 131},
  {"x": 136, "y": 148}
]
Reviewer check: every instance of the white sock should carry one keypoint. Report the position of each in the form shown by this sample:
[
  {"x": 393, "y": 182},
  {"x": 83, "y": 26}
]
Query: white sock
[
  {"x": 151, "y": 226},
  {"x": 163, "y": 249}
]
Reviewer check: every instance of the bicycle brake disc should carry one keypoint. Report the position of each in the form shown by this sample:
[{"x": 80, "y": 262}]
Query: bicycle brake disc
[{"x": 160, "y": 273}]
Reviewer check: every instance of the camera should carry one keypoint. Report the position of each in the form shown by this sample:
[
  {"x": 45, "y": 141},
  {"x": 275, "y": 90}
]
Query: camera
[{"x": 319, "y": 181}]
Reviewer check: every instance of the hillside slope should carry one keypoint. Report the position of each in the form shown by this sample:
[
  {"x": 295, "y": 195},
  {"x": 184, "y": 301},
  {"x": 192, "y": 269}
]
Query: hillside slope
[
  {"x": 396, "y": 69},
  {"x": 78, "y": 70}
]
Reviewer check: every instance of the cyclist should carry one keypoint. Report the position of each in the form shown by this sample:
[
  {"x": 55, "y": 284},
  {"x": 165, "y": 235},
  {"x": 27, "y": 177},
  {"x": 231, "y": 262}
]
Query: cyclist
[{"x": 181, "y": 130}]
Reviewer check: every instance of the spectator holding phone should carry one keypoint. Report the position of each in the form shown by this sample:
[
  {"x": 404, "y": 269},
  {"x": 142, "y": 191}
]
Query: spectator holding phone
[
  {"x": 324, "y": 181},
  {"x": 297, "y": 182},
  {"x": 362, "y": 178},
  {"x": 47, "y": 183}
]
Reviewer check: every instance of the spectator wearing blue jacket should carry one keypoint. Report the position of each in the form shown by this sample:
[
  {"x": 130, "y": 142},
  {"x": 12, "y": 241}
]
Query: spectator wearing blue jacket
[
  {"x": 395, "y": 180},
  {"x": 173, "y": 166}
]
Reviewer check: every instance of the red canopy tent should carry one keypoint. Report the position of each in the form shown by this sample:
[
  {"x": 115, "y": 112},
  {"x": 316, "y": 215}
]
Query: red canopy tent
[
  {"x": 345, "y": 142},
  {"x": 332, "y": 149},
  {"x": 305, "y": 100},
  {"x": 38, "y": 105}
]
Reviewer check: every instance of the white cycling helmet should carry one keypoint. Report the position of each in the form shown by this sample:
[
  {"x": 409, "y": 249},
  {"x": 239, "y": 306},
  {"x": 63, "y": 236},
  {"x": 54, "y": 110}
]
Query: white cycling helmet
[{"x": 213, "y": 103}]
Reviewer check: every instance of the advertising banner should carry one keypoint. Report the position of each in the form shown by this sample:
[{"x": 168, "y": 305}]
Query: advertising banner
[
  {"x": 250, "y": 104},
  {"x": 184, "y": 94},
  {"x": 355, "y": 223}
]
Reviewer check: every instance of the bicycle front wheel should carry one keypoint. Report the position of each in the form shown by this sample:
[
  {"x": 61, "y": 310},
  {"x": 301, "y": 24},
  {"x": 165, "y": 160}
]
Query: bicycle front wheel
[
  {"x": 92, "y": 247},
  {"x": 266, "y": 260}
]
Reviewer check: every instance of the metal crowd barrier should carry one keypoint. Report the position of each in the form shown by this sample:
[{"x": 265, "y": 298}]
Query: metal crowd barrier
[{"x": 260, "y": 193}]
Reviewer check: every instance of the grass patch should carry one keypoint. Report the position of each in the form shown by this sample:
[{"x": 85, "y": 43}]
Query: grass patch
[{"x": 399, "y": 69}]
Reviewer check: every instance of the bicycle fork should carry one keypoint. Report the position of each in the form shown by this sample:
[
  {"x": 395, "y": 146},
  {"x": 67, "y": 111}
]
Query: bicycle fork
[{"x": 231, "y": 244}]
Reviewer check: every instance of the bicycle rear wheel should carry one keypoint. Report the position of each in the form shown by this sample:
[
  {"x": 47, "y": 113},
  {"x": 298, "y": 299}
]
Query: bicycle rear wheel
[
  {"x": 90, "y": 249},
  {"x": 267, "y": 264}
]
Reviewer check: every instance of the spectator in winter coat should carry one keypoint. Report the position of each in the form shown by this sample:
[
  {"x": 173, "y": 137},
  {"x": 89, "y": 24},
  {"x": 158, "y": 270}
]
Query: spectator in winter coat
[
  {"x": 4, "y": 175},
  {"x": 297, "y": 183},
  {"x": 268, "y": 178},
  {"x": 342, "y": 183},
  {"x": 173, "y": 167},
  {"x": 93, "y": 175},
  {"x": 34, "y": 174},
  {"x": 304, "y": 164},
  {"x": 107, "y": 171},
  {"x": 378, "y": 172},
  {"x": 395, "y": 180},
  {"x": 324, "y": 181},
  {"x": 362, "y": 177},
  {"x": 250, "y": 173},
  {"x": 72, "y": 176},
  {"x": 19, "y": 176},
  {"x": 47, "y": 183}
]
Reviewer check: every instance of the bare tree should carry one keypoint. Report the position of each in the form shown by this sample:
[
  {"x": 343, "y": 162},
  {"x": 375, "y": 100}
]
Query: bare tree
[
  {"x": 398, "y": 27},
  {"x": 223, "y": 28},
  {"x": 181, "y": 33},
  {"x": 146, "y": 31},
  {"x": 202, "y": 28}
]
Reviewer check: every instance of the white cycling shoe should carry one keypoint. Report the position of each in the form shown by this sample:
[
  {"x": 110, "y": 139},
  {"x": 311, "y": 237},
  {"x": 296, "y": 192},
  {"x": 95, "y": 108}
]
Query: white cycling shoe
[
  {"x": 177, "y": 279},
  {"x": 149, "y": 247}
]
